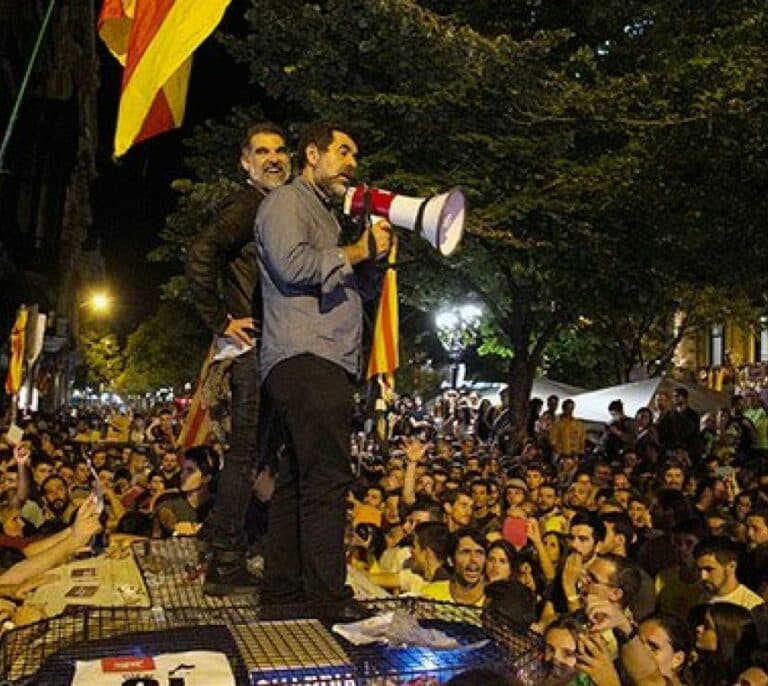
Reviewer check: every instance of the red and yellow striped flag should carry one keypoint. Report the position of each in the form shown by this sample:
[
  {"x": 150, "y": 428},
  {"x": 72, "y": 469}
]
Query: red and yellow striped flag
[
  {"x": 154, "y": 41},
  {"x": 16, "y": 361},
  {"x": 385, "y": 357},
  {"x": 197, "y": 424}
]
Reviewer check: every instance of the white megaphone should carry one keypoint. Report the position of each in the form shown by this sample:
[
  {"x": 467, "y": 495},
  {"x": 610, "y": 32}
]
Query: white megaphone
[{"x": 439, "y": 219}]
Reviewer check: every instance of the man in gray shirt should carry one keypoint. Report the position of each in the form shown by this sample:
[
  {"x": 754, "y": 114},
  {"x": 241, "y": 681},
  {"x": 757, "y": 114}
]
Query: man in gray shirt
[{"x": 312, "y": 290}]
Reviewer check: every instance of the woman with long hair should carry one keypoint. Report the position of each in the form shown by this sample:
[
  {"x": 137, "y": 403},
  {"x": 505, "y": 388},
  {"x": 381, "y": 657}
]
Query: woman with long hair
[
  {"x": 499, "y": 562},
  {"x": 725, "y": 639}
]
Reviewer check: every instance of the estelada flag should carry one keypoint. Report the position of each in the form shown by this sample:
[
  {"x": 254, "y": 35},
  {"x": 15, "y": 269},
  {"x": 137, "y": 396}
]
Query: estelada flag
[
  {"x": 16, "y": 362},
  {"x": 154, "y": 41},
  {"x": 385, "y": 358}
]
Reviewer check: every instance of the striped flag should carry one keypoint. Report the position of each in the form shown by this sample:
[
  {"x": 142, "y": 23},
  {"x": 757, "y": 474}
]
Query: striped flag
[
  {"x": 16, "y": 361},
  {"x": 385, "y": 358},
  {"x": 154, "y": 41},
  {"x": 197, "y": 423}
]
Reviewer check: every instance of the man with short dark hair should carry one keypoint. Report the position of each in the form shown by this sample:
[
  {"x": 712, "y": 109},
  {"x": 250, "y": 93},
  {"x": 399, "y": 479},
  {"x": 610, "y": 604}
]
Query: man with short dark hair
[
  {"x": 482, "y": 516},
  {"x": 59, "y": 510},
  {"x": 223, "y": 275},
  {"x": 458, "y": 507},
  {"x": 81, "y": 485},
  {"x": 169, "y": 467},
  {"x": 312, "y": 291},
  {"x": 186, "y": 512},
  {"x": 586, "y": 533},
  {"x": 717, "y": 559}
]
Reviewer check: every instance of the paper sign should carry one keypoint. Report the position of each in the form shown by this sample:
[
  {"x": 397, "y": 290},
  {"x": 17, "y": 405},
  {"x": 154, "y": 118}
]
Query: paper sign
[
  {"x": 14, "y": 434},
  {"x": 194, "y": 668}
]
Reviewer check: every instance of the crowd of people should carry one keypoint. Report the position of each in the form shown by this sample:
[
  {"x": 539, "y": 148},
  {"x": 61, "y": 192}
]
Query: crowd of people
[
  {"x": 64, "y": 489},
  {"x": 637, "y": 554}
]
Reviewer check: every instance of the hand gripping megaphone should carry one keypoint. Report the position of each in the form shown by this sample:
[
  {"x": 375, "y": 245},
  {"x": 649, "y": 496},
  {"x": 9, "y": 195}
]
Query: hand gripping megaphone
[{"x": 439, "y": 219}]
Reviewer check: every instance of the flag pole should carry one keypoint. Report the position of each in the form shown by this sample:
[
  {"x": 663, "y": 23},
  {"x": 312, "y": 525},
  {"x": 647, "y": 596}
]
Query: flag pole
[{"x": 25, "y": 83}]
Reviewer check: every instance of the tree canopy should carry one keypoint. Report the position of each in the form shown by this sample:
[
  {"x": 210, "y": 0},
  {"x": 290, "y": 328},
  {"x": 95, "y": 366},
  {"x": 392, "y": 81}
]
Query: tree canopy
[{"x": 613, "y": 153}]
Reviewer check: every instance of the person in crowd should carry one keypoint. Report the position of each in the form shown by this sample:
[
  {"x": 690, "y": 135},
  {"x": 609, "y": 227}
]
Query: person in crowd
[
  {"x": 647, "y": 439},
  {"x": 499, "y": 562},
  {"x": 587, "y": 531},
  {"x": 725, "y": 638},
  {"x": 466, "y": 553},
  {"x": 619, "y": 537},
  {"x": 162, "y": 429},
  {"x": 717, "y": 559},
  {"x": 671, "y": 644},
  {"x": 755, "y": 412},
  {"x": 58, "y": 507},
  {"x": 691, "y": 422},
  {"x": 185, "y": 512},
  {"x": 169, "y": 467},
  {"x": 458, "y": 506},
  {"x": 619, "y": 433},
  {"x": 568, "y": 434}
]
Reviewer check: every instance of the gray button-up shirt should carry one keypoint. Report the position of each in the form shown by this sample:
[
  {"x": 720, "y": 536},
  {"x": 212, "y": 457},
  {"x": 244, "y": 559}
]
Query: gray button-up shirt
[{"x": 311, "y": 295}]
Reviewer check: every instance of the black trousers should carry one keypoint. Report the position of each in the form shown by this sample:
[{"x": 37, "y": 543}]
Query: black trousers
[
  {"x": 305, "y": 557},
  {"x": 227, "y": 520}
]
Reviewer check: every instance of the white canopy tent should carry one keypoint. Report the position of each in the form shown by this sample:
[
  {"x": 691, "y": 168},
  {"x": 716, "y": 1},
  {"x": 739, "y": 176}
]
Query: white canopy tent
[
  {"x": 593, "y": 405},
  {"x": 542, "y": 388}
]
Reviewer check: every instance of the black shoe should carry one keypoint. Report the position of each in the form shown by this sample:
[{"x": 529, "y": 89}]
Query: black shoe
[
  {"x": 204, "y": 550},
  {"x": 227, "y": 575}
]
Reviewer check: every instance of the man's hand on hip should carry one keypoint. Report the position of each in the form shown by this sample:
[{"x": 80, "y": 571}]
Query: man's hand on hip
[{"x": 242, "y": 330}]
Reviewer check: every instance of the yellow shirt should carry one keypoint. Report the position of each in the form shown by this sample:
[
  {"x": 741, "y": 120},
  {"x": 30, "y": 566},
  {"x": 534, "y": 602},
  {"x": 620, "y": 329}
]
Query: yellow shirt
[
  {"x": 441, "y": 590},
  {"x": 568, "y": 436}
]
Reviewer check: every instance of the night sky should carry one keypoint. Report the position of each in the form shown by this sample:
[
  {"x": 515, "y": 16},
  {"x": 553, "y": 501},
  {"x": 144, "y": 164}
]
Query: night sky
[{"x": 132, "y": 197}]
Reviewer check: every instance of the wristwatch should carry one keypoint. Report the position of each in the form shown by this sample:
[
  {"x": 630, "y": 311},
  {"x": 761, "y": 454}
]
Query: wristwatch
[{"x": 623, "y": 638}]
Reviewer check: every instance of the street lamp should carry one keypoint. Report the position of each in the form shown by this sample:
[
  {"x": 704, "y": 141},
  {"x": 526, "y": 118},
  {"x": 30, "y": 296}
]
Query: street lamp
[
  {"x": 98, "y": 301},
  {"x": 456, "y": 326}
]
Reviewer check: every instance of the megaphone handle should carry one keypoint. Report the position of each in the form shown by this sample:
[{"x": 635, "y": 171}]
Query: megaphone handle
[
  {"x": 418, "y": 226},
  {"x": 372, "y": 252},
  {"x": 366, "y": 216}
]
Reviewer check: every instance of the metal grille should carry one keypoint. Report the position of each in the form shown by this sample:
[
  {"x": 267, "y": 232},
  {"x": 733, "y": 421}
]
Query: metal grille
[
  {"x": 265, "y": 649},
  {"x": 174, "y": 576},
  {"x": 266, "y": 645},
  {"x": 43, "y": 654}
]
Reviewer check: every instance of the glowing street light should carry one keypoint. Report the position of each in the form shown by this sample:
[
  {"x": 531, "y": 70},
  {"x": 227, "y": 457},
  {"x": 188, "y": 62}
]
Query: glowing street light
[
  {"x": 98, "y": 301},
  {"x": 456, "y": 325}
]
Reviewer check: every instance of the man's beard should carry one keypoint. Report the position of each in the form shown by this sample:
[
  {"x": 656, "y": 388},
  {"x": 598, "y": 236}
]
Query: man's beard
[{"x": 58, "y": 507}]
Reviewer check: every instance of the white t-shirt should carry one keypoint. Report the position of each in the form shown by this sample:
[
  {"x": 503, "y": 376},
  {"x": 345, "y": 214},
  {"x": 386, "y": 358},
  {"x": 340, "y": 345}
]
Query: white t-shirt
[{"x": 742, "y": 596}]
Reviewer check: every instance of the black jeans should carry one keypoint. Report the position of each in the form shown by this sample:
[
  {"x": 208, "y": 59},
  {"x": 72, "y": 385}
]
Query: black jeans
[
  {"x": 305, "y": 557},
  {"x": 227, "y": 520}
]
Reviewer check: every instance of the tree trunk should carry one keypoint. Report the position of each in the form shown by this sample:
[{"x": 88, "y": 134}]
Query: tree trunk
[{"x": 520, "y": 382}]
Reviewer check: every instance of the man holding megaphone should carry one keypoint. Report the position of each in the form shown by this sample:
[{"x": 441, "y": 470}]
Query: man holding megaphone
[{"x": 312, "y": 291}]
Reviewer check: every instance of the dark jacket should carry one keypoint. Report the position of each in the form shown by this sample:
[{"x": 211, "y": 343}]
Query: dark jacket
[{"x": 222, "y": 269}]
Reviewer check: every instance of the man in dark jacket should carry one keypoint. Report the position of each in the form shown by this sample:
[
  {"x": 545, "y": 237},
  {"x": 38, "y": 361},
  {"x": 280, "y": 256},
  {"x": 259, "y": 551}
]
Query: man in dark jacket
[{"x": 223, "y": 276}]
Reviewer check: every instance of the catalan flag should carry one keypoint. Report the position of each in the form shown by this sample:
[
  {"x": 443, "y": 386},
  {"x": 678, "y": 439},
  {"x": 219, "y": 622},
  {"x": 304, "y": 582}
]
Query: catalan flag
[
  {"x": 385, "y": 358},
  {"x": 154, "y": 41},
  {"x": 16, "y": 362}
]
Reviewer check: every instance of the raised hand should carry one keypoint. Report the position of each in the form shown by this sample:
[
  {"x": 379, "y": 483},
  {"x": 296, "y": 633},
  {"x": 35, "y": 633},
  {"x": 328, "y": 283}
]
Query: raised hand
[
  {"x": 594, "y": 661},
  {"x": 86, "y": 522},
  {"x": 415, "y": 450}
]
